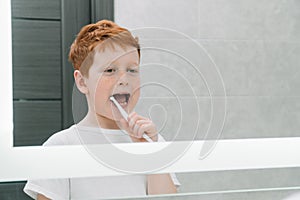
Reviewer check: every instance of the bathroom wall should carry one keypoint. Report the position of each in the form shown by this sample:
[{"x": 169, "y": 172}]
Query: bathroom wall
[{"x": 255, "y": 46}]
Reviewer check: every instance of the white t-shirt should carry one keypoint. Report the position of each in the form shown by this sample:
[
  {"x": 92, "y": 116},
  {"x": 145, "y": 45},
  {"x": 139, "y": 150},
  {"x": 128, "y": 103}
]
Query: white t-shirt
[
  {"x": 90, "y": 187},
  {"x": 295, "y": 196}
]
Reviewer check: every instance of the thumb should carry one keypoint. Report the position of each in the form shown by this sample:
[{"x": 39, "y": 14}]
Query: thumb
[{"x": 124, "y": 124}]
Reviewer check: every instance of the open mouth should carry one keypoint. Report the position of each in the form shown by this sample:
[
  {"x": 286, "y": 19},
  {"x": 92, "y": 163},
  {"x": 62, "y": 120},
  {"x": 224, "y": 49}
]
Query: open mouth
[{"x": 122, "y": 99}]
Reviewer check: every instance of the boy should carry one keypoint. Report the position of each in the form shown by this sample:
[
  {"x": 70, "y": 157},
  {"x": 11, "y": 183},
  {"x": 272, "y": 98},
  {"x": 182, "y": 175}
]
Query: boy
[{"x": 106, "y": 60}]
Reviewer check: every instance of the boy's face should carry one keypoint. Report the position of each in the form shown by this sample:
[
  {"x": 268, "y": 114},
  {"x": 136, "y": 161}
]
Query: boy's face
[{"x": 113, "y": 73}]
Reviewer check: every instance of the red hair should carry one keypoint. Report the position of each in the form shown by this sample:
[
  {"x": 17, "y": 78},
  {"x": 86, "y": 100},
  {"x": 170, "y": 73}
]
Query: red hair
[{"x": 82, "y": 49}]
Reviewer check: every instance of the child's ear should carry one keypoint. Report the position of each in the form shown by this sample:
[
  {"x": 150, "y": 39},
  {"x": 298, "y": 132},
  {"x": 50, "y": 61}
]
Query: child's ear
[{"x": 80, "y": 82}]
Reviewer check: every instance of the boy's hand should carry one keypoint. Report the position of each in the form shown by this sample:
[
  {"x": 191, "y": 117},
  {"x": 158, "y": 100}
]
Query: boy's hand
[{"x": 137, "y": 126}]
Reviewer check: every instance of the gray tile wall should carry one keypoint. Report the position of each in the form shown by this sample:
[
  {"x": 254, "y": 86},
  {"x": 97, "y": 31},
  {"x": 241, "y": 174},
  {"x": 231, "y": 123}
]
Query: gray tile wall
[{"x": 255, "y": 45}]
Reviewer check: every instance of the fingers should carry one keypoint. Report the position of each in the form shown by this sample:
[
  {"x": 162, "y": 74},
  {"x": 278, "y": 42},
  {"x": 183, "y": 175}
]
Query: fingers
[
  {"x": 133, "y": 118},
  {"x": 139, "y": 125},
  {"x": 142, "y": 129}
]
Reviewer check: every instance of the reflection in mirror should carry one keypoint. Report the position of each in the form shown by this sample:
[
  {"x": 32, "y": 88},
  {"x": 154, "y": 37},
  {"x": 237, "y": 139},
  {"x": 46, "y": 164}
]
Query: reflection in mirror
[{"x": 254, "y": 57}]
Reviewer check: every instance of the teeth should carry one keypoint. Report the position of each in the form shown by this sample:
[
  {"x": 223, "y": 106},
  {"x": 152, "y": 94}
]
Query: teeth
[{"x": 123, "y": 103}]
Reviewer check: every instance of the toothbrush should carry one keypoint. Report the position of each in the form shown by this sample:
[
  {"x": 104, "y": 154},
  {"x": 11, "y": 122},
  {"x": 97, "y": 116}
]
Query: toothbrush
[{"x": 125, "y": 116}]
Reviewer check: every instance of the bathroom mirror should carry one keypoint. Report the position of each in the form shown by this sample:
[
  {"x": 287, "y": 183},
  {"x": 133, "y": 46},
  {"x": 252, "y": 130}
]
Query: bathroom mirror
[{"x": 257, "y": 107}]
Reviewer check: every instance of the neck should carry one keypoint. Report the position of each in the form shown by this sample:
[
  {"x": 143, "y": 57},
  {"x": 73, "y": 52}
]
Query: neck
[{"x": 94, "y": 120}]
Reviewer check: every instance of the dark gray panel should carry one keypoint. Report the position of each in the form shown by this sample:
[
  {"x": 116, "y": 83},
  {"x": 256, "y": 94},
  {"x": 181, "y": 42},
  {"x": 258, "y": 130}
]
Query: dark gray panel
[
  {"x": 102, "y": 9},
  {"x": 41, "y": 9},
  {"x": 35, "y": 121},
  {"x": 75, "y": 14},
  {"x": 36, "y": 59},
  {"x": 13, "y": 191}
]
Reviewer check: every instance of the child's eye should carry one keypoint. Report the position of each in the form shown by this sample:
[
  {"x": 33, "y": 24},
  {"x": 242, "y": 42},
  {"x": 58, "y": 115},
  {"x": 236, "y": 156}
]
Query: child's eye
[
  {"x": 133, "y": 70},
  {"x": 109, "y": 70}
]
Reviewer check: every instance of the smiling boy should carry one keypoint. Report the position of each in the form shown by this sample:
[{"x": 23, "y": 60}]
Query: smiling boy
[{"x": 106, "y": 60}]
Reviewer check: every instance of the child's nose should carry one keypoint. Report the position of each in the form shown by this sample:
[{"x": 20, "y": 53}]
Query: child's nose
[{"x": 123, "y": 80}]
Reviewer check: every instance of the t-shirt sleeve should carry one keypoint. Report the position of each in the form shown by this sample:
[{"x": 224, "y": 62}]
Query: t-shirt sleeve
[
  {"x": 173, "y": 175},
  {"x": 50, "y": 188}
]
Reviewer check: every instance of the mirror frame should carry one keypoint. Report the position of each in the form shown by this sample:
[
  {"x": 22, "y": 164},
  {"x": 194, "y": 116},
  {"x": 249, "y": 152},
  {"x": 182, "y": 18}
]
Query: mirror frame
[{"x": 269, "y": 152}]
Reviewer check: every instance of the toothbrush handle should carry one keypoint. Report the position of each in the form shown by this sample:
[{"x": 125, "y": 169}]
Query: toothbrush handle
[
  {"x": 125, "y": 116},
  {"x": 145, "y": 136}
]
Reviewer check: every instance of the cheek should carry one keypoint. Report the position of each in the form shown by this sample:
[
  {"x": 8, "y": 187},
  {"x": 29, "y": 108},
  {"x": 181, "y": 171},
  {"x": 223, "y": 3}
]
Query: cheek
[
  {"x": 136, "y": 87},
  {"x": 136, "y": 93},
  {"x": 103, "y": 91},
  {"x": 105, "y": 85},
  {"x": 136, "y": 90}
]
